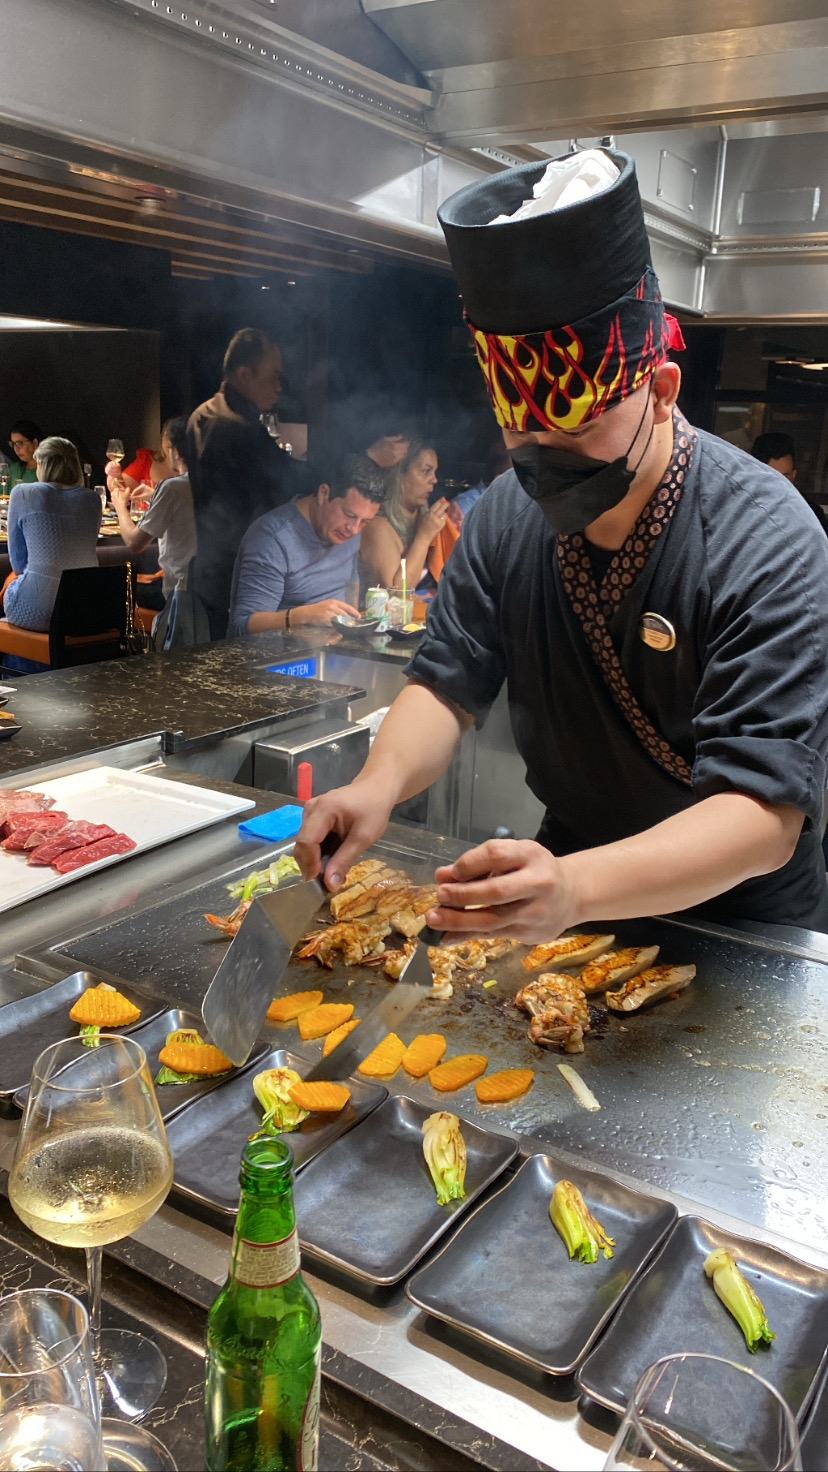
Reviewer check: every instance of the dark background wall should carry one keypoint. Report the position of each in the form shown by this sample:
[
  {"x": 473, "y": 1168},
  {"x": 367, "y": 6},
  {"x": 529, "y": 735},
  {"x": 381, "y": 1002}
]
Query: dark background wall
[{"x": 87, "y": 386}]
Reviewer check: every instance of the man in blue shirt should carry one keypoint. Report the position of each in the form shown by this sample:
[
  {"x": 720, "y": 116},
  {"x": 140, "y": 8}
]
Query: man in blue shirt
[{"x": 294, "y": 563}]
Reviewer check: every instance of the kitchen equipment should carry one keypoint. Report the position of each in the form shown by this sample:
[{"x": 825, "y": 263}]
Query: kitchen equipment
[{"x": 335, "y": 751}]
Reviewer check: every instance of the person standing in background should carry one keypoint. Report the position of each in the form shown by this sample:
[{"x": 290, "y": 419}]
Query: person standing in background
[
  {"x": 237, "y": 471},
  {"x": 389, "y": 448},
  {"x": 24, "y": 438},
  {"x": 778, "y": 450}
]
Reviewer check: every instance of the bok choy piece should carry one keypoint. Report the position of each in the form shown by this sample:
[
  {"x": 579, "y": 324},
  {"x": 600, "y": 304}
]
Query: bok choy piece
[
  {"x": 272, "y": 1089},
  {"x": 445, "y": 1152},
  {"x": 735, "y": 1292},
  {"x": 582, "y": 1234}
]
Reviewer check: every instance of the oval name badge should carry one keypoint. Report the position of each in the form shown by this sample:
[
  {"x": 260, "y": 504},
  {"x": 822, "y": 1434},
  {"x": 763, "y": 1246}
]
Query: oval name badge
[{"x": 657, "y": 632}]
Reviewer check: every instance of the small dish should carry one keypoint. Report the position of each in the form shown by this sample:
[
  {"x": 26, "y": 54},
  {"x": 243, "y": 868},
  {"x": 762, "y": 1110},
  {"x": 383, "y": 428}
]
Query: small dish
[
  {"x": 406, "y": 635},
  {"x": 355, "y": 626}
]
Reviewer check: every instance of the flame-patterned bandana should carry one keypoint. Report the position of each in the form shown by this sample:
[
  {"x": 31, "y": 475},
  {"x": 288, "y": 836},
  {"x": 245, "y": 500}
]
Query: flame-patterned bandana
[{"x": 566, "y": 376}]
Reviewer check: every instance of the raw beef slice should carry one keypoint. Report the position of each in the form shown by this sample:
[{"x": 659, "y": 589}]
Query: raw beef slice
[{"x": 105, "y": 848}]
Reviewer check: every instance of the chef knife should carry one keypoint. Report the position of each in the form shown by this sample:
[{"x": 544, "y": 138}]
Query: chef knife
[
  {"x": 415, "y": 983},
  {"x": 248, "y": 978}
]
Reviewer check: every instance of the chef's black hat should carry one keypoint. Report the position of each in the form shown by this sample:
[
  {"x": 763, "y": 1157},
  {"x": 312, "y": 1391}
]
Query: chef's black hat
[{"x": 564, "y": 307}]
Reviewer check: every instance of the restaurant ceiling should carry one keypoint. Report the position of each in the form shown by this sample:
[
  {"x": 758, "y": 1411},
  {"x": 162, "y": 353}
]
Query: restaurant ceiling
[{"x": 255, "y": 136}]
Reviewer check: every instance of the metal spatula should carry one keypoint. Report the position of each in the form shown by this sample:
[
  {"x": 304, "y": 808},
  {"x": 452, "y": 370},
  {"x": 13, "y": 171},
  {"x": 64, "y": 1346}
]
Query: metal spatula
[
  {"x": 248, "y": 978},
  {"x": 389, "y": 1014}
]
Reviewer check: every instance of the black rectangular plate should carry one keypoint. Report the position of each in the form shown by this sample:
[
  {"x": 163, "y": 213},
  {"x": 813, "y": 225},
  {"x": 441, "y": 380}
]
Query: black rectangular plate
[
  {"x": 368, "y": 1205},
  {"x": 172, "y": 1098},
  {"x": 207, "y": 1142},
  {"x": 33, "y": 1023},
  {"x": 673, "y": 1309},
  {"x": 815, "y": 1439},
  {"x": 538, "y": 1305}
]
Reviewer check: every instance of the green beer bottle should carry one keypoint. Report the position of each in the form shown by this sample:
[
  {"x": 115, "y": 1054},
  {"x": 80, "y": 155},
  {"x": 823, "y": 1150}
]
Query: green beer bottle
[{"x": 263, "y": 1333}]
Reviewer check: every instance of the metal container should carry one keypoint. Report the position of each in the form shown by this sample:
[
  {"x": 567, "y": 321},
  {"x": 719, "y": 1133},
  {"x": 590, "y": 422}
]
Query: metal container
[
  {"x": 335, "y": 750},
  {"x": 376, "y": 605}
]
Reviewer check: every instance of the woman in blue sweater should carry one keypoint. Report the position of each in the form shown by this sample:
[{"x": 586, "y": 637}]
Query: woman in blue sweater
[{"x": 53, "y": 525}]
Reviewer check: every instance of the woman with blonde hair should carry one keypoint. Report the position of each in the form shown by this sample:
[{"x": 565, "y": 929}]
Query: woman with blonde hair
[
  {"x": 53, "y": 525},
  {"x": 406, "y": 525}
]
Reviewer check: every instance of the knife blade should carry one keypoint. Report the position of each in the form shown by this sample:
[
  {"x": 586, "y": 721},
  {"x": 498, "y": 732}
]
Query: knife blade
[{"x": 248, "y": 978}]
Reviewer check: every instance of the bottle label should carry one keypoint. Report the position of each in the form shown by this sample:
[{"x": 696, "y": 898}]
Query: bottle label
[
  {"x": 266, "y": 1264},
  {"x": 308, "y": 1459}
]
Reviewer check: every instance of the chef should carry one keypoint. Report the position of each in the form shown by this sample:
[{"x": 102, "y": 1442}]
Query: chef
[{"x": 651, "y": 596}]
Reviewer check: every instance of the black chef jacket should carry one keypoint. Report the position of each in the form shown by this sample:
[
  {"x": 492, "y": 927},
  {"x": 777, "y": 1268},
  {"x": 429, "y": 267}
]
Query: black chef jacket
[{"x": 742, "y": 574}]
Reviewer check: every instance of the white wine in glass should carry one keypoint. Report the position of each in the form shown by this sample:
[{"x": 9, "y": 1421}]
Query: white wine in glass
[
  {"x": 115, "y": 450},
  {"x": 93, "y": 1164}
]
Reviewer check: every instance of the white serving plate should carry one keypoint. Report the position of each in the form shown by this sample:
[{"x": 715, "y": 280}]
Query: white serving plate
[{"x": 150, "y": 809}]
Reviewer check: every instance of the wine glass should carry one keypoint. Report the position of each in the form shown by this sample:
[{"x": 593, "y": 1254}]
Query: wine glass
[
  {"x": 92, "y": 1164},
  {"x": 272, "y": 425},
  {"x": 5, "y": 475},
  {"x": 49, "y": 1412},
  {"x": 700, "y": 1413},
  {"x": 115, "y": 450}
]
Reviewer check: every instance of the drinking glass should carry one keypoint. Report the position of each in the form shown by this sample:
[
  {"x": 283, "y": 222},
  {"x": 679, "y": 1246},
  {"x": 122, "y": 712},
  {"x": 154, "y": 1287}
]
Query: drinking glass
[
  {"x": 400, "y": 609},
  {"x": 115, "y": 450},
  {"x": 49, "y": 1412},
  {"x": 102, "y": 492},
  {"x": 87, "y": 473},
  {"x": 700, "y": 1413},
  {"x": 93, "y": 1164},
  {"x": 5, "y": 476},
  {"x": 272, "y": 425}
]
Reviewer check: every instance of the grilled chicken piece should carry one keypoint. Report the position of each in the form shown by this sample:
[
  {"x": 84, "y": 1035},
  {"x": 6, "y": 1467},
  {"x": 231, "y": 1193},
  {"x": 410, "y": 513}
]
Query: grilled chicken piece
[
  {"x": 569, "y": 950},
  {"x": 358, "y": 940},
  {"x": 615, "y": 967},
  {"x": 558, "y": 1008},
  {"x": 358, "y": 873},
  {"x": 650, "y": 986},
  {"x": 440, "y": 959}
]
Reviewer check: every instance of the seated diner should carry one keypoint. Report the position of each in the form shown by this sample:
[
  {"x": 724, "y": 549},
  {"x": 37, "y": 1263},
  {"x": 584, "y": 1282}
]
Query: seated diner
[
  {"x": 24, "y": 438},
  {"x": 295, "y": 563},
  {"x": 53, "y": 525},
  {"x": 170, "y": 516},
  {"x": 406, "y": 526}
]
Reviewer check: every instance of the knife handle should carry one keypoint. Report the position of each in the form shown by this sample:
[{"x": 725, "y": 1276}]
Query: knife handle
[
  {"x": 329, "y": 846},
  {"x": 430, "y": 937}
]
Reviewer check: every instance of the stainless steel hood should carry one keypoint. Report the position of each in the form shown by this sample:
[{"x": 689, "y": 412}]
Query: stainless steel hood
[{"x": 259, "y": 135}]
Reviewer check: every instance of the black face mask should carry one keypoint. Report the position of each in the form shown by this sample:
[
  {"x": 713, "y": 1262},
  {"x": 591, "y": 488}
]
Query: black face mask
[{"x": 574, "y": 490}]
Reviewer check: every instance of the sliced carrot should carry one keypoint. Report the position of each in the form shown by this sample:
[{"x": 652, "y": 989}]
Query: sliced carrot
[
  {"x": 320, "y": 1098},
  {"x": 509, "y": 1083},
  {"x": 457, "y": 1071},
  {"x": 339, "y": 1033},
  {"x": 287, "y": 1009},
  {"x": 316, "y": 1022},
  {"x": 385, "y": 1059},
  {"x": 423, "y": 1053}
]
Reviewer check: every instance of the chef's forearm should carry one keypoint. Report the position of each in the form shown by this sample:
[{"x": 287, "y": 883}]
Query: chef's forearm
[
  {"x": 686, "y": 860},
  {"x": 415, "y": 743}
]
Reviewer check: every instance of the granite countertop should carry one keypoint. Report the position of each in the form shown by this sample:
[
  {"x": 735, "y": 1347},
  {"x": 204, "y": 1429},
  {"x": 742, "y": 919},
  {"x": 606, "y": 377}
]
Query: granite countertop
[{"x": 185, "y": 698}]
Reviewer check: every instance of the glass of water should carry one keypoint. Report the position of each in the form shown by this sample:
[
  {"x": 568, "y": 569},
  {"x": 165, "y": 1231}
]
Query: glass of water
[
  {"x": 700, "y": 1413},
  {"x": 49, "y": 1413}
]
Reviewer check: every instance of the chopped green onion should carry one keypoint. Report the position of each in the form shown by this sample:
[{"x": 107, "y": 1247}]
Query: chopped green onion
[{"x": 490, "y": 983}]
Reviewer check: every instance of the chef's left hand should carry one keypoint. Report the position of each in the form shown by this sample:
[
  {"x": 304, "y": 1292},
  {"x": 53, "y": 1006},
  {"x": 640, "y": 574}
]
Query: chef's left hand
[{"x": 516, "y": 886}]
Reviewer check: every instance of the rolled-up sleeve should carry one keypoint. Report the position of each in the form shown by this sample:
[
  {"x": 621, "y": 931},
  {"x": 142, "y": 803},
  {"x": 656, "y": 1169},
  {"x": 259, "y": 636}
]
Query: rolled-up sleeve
[
  {"x": 760, "y": 718},
  {"x": 461, "y": 656}
]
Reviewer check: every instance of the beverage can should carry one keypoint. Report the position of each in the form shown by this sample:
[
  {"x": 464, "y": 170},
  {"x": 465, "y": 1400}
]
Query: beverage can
[{"x": 376, "y": 605}]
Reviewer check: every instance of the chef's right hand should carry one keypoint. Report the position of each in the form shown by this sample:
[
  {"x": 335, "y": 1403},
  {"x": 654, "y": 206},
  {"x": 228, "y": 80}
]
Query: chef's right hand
[
  {"x": 359, "y": 813},
  {"x": 321, "y": 613}
]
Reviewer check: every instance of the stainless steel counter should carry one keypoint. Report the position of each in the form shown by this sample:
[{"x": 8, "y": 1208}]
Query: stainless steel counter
[{"x": 718, "y": 1100}]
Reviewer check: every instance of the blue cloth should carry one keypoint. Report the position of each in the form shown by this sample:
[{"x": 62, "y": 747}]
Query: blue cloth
[
  {"x": 282, "y": 563},
  {"x": 280, "y": 823},
  {"x": 51, "y": 528}
]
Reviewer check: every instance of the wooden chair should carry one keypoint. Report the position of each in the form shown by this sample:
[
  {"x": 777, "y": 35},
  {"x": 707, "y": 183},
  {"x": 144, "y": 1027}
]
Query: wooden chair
[{"x": 88, "y": 621}]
